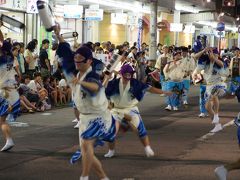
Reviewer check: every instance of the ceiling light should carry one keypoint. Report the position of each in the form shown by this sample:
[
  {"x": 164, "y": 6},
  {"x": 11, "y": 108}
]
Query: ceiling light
[
  {"x": 181, "y": 7},
  {"x": 238, "y": 19},
  {"x": 134, "y": 6},
  {"x": 208, "y": 1},
  {"x": 222, "y": 14}
]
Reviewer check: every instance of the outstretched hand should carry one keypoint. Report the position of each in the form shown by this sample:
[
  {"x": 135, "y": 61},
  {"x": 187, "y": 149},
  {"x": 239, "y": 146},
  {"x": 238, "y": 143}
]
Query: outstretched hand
[{"x": 57, "y": 29}]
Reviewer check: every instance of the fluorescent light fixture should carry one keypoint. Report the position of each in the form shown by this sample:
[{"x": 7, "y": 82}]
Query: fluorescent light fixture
[
  {"x": 135, "y": 6},
  {"x": 213, "y": 24},
  {"x": 181, "y": 7}
]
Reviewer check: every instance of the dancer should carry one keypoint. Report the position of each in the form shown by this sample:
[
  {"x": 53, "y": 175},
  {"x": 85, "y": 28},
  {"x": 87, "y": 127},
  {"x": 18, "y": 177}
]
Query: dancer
[
  {"x": 9, "y": 98},
  {"x": 213, "y": 72},
  {"x": 124, "y": 94},
  {"x": 174, "y": 73},
  {"x": 90, "y": 99}
]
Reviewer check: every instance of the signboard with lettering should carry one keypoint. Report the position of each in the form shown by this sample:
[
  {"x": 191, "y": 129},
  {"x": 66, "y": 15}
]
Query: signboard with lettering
[
  {"x": 73, "y": 11},
  {"x": 93, "y": 14}
]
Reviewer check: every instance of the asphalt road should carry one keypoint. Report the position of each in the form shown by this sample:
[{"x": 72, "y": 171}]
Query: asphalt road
[{"x": 184, "y": 149}]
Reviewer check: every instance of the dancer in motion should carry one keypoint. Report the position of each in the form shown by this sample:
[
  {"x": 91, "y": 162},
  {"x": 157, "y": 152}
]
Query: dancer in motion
[
  {"x": 90, "y": 99},
  {"x": 124, "y": 94},
  {"x": 9, "y": 98}
]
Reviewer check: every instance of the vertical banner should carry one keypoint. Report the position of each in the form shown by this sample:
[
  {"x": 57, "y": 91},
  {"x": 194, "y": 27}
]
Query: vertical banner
[{"x": 140, "y": 31}]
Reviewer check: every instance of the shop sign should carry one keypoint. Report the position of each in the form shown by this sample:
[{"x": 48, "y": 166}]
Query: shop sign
[
  {"x": 176, "y": 27},
  {"x": 32, "y": 6},
  {"x": 221, "y": 26},
  {"x": 206, "y": 30},
  {"x": 219, "y": 34},
  {"x": 93, "y": 14},
  {"x": 132, "y": 20},
  {"x": 189, "y": 29},
  {"x": 119, "y": 18},
  {"x": 232, "y": 35},
  {"x": 72, "y": 11}
]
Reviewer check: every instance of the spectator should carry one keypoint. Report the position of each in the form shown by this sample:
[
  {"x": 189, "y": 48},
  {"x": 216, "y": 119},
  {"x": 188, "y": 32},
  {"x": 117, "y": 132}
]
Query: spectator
[
  {"x": 45, "y": 66},
  {"x": 65, "y": 89},
  {"x": 21, "y": 59},
  {"x": 30, "y": 59}
]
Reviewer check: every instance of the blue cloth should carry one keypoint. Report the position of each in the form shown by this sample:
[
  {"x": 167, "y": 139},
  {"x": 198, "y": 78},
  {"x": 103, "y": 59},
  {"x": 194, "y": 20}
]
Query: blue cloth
[
  {"x": 137, "y": 88},
  {"x": 96, "y": 130},
  {"x": 202, "y": 100},
  {"x": 186, "y": 87},
  {"x": 174, "y": 99},
  {"x": 92, "y": 77},
  {"x": 163, "y": 82},
  {"x": 4, "y": 105},
  {"x": 234, "y": 84},
  {"x": 238, "y": 134},
  {"x": 97, "y": 66},
  {"x": 197, "y": 46},
  {"x": 77, "y": 155}
]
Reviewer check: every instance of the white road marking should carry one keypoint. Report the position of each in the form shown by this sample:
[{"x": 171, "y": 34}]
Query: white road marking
[{"x": 204, "y": 137}]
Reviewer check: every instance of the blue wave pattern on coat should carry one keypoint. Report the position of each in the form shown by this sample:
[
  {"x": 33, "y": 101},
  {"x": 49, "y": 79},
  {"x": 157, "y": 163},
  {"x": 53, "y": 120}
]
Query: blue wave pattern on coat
[{"x": 96, "y": 129}]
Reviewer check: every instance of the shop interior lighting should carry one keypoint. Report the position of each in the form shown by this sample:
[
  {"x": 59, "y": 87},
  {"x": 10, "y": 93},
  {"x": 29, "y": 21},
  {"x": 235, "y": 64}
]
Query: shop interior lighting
[
  {"x": 208, "y": 1},
  {"x": 135, "y": 6},
  {"x": 181, "y": 7},
  {"x": 238, "y": 19}
]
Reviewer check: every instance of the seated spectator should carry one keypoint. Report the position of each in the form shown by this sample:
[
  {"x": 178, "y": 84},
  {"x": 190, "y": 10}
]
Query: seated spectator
[
  {"x": 32, "y": 96},
  {"x": 52, "y": 92},
  {"x": 61, "y": 96},
  {"x": 37, "y": 86},
  {"x": 65, "y": 89}
]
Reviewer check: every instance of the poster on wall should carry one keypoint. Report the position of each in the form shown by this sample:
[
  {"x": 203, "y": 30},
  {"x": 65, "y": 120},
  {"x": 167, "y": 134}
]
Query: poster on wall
[
  {"x": 32, "y": 6},
  {"x": 14, "y": 4}
]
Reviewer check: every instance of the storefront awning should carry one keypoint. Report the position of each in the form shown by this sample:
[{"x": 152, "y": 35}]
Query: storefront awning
[
  {"x": 164, "y": 24},
  {"x": 146, "y": 21}
]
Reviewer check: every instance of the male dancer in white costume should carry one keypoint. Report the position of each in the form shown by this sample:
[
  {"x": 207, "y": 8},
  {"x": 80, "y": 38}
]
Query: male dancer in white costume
[
  {"x": 124, "y": 94},
  {"x": 90, "y": 99}
]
